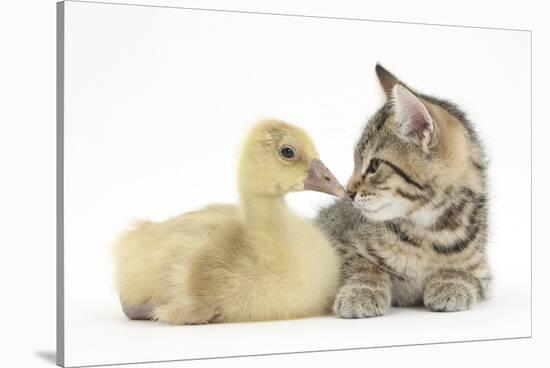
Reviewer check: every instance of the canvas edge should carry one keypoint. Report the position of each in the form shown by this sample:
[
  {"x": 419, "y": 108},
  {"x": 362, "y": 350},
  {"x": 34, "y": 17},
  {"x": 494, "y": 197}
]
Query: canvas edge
[{"x": 60, "y": 264}]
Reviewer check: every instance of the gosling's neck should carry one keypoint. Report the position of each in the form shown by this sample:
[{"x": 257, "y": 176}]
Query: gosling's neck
[{"x": 264, "y": 213}]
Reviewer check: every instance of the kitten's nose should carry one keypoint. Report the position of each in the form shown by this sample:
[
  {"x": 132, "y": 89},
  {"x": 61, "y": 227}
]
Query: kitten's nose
[{"x": 352, "y": 187}]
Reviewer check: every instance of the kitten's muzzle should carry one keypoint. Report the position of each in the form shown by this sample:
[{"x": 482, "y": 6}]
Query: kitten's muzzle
[
  {"x": 351, "y": 194},
  {"x": 353, "y": 185}
]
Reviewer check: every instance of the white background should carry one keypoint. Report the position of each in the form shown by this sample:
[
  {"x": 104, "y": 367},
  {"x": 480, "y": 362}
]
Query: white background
[{"x": 31, "y": 236}]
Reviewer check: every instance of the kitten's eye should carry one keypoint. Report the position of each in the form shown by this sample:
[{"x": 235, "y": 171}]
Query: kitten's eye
[
  {"x": 287, "y": 152},
  {"x": 373, "y": 166}
]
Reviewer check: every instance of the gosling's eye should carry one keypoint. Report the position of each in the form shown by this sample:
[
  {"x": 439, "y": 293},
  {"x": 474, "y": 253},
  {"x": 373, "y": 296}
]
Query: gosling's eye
[
  {"x": 373, "y": 166},
  {"x": 287, "y": 152}
]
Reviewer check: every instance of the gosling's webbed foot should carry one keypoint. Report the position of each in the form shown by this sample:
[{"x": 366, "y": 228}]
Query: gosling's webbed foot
[
  {"x": 138, "y": 312},
  {"x": 185, "y": 314}
]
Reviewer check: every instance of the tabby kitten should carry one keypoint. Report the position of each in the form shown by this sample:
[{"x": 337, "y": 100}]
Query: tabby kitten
[{"x": 414, "y": 227}]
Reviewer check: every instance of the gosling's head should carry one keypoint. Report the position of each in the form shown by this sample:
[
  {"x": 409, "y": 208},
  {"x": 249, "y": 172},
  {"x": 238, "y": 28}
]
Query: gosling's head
[{"x": 278, "y": 158}]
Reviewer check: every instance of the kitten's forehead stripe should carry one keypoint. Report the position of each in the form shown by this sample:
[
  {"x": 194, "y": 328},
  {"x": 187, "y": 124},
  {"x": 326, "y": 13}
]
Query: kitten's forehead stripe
[
  {"x": 381, "y": 144},
  {"x": 374, "y": 125}
]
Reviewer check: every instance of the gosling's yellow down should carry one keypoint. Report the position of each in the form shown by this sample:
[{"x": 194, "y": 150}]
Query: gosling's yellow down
[{"x": 251, "y": 262}]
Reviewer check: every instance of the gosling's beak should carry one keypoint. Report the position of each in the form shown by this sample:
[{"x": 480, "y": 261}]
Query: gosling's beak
[{"x": 320, "y": 179}]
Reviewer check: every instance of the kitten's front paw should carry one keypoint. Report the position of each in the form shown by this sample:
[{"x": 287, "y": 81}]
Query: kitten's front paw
[
  {"x": 360, "y": 301},
  {"x": 448, "y": 297}
]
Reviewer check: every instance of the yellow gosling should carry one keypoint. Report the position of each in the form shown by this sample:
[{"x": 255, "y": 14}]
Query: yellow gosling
[{"x": 251, "y": 262}]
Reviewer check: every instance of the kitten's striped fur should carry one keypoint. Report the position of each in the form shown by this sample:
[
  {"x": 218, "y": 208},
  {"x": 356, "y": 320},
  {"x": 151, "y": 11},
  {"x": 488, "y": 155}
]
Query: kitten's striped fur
[{"x": 416, "y": 230}]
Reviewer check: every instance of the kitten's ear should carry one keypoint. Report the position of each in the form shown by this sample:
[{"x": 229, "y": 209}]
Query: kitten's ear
[
  {"x": 412, "y": 117},
  {"x": 387, "y": 80}
]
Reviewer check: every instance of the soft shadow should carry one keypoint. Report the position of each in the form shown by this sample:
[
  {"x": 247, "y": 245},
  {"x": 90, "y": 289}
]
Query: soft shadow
[{"x": 48, "y": 356}]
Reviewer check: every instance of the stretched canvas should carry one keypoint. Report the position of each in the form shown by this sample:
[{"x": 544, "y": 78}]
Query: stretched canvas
[{"x": 154, "y": 102}]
